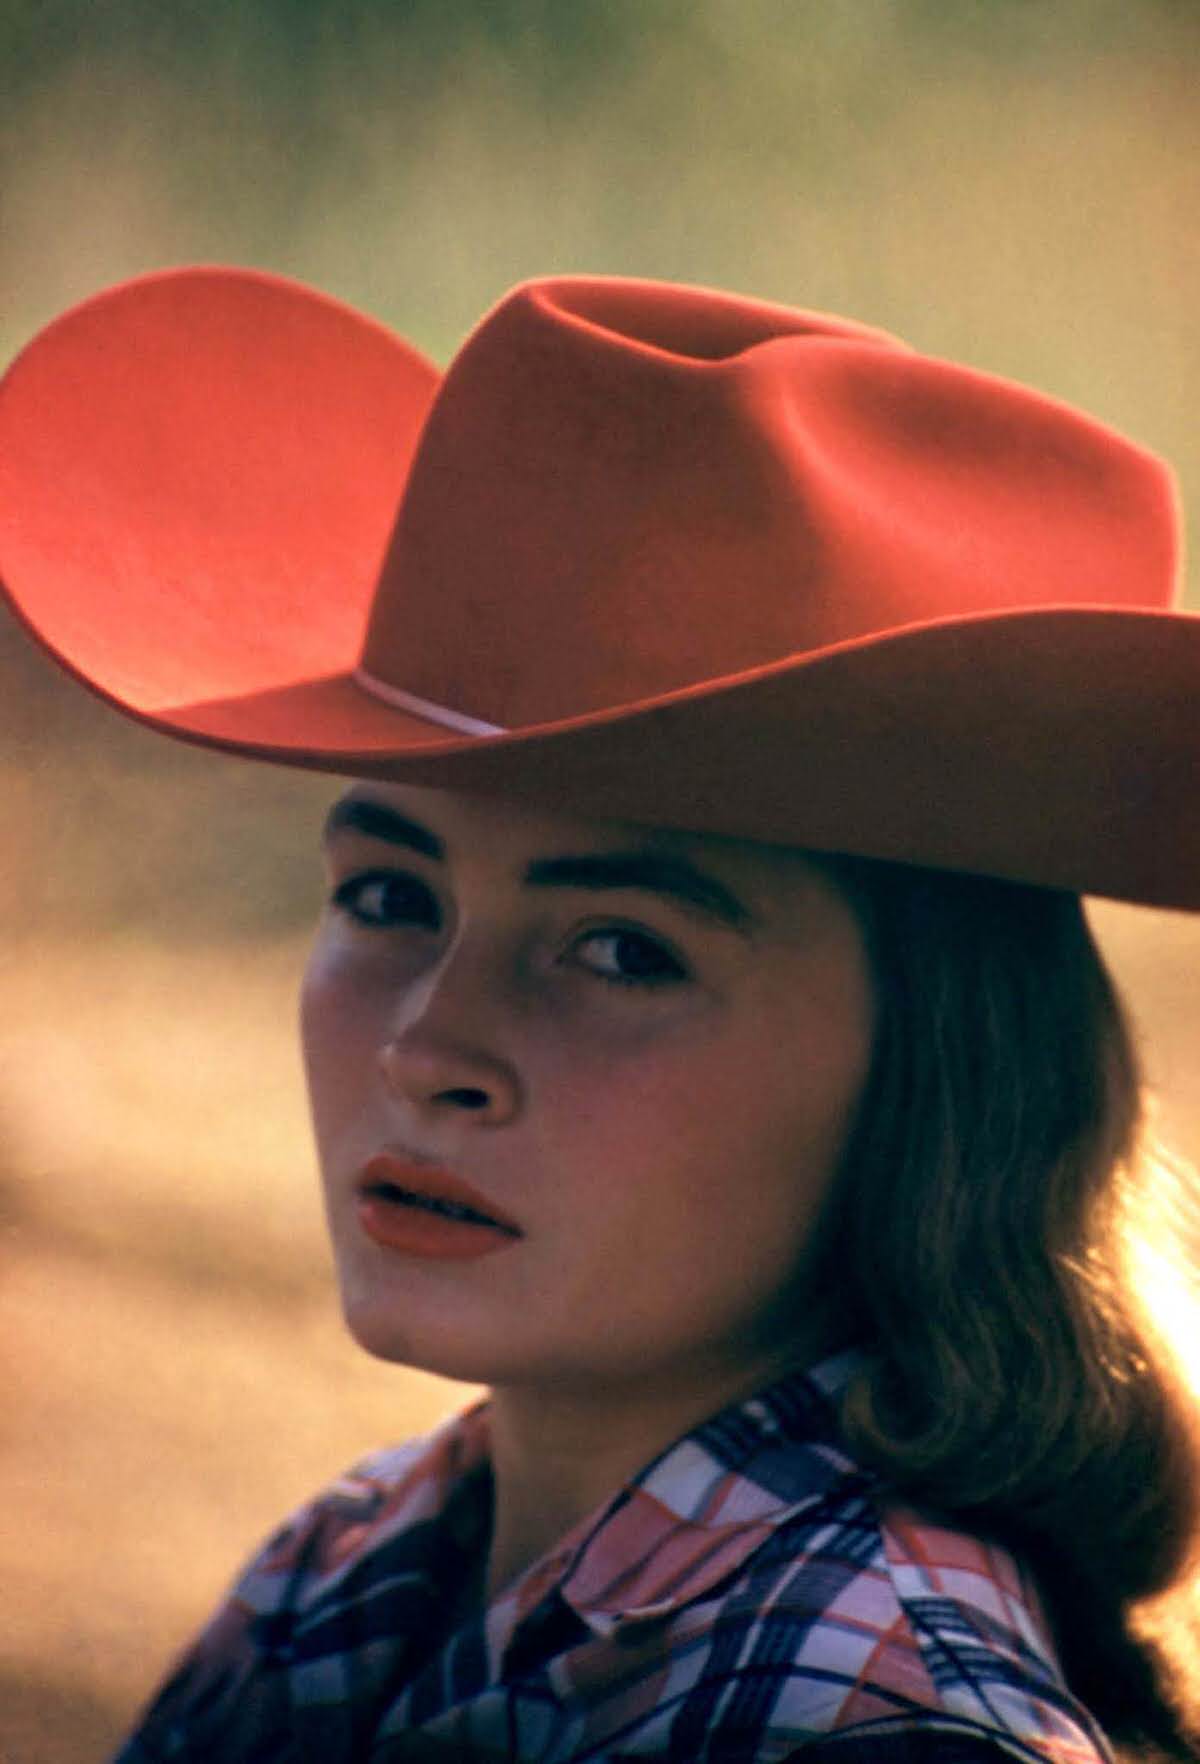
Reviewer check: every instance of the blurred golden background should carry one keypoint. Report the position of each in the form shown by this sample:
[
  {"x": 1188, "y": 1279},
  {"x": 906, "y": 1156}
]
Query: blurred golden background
[{"x": 1008, "y": 183}]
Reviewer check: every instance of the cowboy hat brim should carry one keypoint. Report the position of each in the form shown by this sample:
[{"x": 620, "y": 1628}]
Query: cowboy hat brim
[{"x": 955, "y": 746}]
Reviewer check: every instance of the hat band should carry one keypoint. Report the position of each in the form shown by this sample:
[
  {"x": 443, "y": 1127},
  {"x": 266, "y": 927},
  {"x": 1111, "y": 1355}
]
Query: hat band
[{"x": 424, "y": 707}]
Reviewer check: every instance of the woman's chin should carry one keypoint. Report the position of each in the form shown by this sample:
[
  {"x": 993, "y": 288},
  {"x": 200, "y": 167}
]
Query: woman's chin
[{"x": 444, "y": 1351}]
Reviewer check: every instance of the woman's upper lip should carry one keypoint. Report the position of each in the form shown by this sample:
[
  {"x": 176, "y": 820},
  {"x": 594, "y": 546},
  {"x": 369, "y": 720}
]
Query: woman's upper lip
[{"x": 394, "y": 1170}]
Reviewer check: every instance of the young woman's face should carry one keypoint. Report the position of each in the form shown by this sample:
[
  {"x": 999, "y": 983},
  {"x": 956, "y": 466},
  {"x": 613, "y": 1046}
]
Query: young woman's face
[{"x": 643, "y": 1049}]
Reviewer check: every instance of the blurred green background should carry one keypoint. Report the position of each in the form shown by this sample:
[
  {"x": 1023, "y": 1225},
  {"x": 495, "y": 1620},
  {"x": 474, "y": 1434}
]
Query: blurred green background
[{"x": 1013, "y": 183}]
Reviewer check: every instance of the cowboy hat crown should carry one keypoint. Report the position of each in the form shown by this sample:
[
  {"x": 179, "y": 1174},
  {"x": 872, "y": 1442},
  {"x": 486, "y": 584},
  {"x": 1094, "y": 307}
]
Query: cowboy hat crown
[{"x": 661, "y": 489}]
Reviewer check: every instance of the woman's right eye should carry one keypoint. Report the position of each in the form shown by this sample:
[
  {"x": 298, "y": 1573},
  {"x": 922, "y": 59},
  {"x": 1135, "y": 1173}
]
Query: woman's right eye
[{"x": 385, "y": 898}]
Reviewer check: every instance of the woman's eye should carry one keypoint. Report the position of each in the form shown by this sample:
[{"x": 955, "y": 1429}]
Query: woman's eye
[
  {"x": 628, "y": 958},
  {"x": 382, "y": 898}
]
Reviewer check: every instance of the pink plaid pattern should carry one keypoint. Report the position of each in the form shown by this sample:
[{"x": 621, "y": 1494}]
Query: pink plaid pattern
[{"x": 751, "y": 1594}]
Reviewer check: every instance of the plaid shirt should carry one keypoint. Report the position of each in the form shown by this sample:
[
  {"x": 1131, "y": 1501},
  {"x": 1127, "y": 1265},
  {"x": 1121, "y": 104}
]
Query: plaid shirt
[{"x": 751, "y": 1594}]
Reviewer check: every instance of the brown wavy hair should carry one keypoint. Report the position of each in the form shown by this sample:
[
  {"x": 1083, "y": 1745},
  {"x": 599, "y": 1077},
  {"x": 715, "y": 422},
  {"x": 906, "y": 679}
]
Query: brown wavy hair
[{"x": 977, "y": 1250}]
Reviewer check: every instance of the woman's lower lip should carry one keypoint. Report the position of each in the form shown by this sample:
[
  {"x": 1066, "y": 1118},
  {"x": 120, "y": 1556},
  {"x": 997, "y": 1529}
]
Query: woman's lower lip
[{"x": 416, "y": 1231}]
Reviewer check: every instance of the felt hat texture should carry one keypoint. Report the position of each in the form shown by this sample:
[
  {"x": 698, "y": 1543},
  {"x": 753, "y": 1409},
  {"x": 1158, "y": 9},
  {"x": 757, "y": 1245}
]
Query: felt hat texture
[{"x": 649, "y": 552}]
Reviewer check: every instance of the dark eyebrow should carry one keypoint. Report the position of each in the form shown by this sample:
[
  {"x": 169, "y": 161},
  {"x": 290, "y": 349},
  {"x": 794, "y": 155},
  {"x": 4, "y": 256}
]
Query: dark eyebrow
[
  {"x": 653, "y": 872},
  {"x": 647, "y": 871},
  {"x": 360, "y": 814}
]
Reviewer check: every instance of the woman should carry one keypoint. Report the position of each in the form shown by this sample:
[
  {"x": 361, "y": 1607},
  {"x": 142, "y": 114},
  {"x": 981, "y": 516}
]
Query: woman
[{"x": 706, "y": 1046}]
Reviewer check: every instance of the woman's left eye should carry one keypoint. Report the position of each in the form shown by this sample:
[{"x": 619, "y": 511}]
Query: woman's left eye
[{"x": 628, "y": 958}]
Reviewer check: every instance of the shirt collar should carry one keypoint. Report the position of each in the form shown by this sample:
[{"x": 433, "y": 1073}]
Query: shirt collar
[{"x": 694, "y": 1514}]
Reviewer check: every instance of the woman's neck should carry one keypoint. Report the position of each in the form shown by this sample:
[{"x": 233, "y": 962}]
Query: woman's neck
[{"x": 559, "y": 1453}]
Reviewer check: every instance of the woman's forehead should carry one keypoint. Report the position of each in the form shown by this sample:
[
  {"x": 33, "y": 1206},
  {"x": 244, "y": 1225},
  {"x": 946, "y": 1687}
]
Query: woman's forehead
[{"x": 460, "y": 820}]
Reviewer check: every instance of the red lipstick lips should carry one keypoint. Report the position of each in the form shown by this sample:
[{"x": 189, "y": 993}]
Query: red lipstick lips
[{"x": 422, "y": 1210}]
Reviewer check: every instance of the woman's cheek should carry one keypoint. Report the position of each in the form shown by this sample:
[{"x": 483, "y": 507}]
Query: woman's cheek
[
  {"x": 342, "y": 1022},
  {"x": 617, "y": 1028},
  {"x": 350, "y": 980},
  {"x": 325, "y": 1002}
]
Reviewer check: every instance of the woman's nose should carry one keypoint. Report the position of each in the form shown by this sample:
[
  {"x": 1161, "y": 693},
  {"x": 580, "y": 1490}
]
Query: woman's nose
[{"x": 433, "y": 1061}]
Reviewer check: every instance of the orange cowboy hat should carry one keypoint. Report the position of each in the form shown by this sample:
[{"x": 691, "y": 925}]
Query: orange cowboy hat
[{"x": 655, "y": 552}]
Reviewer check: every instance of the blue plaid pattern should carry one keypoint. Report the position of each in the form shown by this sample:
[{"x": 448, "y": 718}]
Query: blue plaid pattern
[{"x": 752, "y": 1596}]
